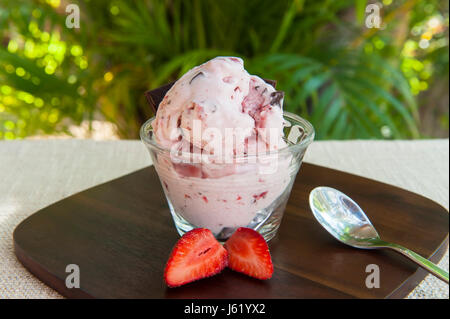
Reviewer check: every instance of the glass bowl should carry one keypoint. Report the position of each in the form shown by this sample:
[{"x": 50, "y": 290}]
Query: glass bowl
[{"x": 248, "y": 191}]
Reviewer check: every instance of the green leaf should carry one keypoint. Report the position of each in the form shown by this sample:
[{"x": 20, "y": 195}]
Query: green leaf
[
  {"x": 310, "y": 86},
  {"x": 324, "y": 124},
  {"x": 295, "y": 7},
  {"x": 355, "y": 90},
  {"x": 360, "y": 10}
]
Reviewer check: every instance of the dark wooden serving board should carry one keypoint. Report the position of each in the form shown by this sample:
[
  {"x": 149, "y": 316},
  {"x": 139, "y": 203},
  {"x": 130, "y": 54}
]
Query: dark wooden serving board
[{"x": 121, "y": 233}]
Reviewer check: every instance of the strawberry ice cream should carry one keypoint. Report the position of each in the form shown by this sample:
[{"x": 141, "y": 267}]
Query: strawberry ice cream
[
  {"x": 224, "y": 129},
  {"x": 221, "y": 95}
]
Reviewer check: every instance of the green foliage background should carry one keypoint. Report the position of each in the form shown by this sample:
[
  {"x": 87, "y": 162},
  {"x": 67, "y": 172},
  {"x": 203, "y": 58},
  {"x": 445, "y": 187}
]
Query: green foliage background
[{"x": 348, "y": 80}]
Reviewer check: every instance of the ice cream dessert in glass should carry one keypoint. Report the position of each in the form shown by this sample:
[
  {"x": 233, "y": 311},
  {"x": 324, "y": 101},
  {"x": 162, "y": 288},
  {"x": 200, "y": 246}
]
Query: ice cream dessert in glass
[{"x": 225, "y": 152}]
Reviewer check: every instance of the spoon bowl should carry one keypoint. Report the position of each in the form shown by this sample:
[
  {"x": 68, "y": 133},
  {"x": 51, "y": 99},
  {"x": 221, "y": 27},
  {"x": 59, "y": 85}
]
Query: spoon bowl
[{"x": 342, "y": 217}]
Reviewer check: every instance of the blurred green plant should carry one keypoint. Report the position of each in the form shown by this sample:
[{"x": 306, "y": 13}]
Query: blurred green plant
[{"x": 350, "y": 81}]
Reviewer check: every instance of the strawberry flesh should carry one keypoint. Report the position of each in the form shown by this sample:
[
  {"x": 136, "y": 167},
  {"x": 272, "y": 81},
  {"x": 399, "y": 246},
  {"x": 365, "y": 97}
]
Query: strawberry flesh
[
  {"x": 248, "y": 253},
  {"x": 195, "y": 256}
]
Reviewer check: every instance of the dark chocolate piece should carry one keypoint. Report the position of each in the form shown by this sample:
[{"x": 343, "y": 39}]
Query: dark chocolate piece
[
  {"x": 276, "y": 97},
  {"x": 154, "y": 97},
  {"x": 271, "y": 82}
]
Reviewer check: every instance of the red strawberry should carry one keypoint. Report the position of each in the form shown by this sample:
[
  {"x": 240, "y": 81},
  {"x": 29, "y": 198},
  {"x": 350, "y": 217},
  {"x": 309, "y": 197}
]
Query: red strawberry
[
  {"x": 248, "y": 253},
  {"x": 196, "y": 255}
]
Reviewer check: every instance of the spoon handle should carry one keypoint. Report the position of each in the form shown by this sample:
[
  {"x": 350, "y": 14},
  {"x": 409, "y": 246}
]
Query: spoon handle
[{"x": 422, "y": 262}]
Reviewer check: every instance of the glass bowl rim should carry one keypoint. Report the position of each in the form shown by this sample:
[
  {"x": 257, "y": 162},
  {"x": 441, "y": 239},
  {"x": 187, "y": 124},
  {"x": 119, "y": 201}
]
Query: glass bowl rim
[{"x": 307, "y": 127}]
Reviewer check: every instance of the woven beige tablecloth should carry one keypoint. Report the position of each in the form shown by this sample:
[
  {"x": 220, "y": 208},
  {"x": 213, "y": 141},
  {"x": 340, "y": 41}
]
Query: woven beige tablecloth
[{"x": 34, "y": 174}]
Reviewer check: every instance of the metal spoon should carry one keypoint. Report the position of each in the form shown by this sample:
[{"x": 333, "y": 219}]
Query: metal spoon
[{"x": 346, "y": 221}]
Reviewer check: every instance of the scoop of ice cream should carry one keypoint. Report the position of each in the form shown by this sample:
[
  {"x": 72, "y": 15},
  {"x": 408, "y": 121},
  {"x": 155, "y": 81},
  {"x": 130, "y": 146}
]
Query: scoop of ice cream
[{"x": 218, "y": 108}]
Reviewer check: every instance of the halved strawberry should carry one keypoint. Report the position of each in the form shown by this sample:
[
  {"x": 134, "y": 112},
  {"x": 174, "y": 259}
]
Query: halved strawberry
[
  {"x": 196, "y": 255},
  {"x": 248, "y": 253}
]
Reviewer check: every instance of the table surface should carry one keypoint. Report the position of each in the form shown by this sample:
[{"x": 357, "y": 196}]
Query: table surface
[{"x": 35, "y": 174}]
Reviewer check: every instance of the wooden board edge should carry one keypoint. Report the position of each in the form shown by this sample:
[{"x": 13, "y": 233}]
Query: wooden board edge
[
  {"x": 415, "y": 279},
  {"x": 46, "y": 277}
]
